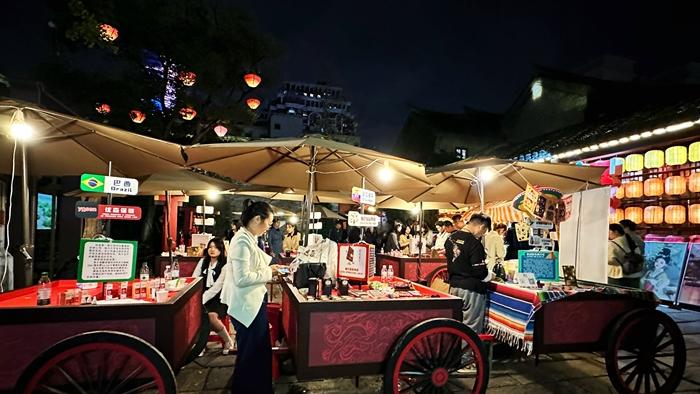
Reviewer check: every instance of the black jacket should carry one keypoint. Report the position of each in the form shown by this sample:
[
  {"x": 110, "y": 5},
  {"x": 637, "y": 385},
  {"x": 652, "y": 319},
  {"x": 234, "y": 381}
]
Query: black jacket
[{"x": 466, "y": 261}]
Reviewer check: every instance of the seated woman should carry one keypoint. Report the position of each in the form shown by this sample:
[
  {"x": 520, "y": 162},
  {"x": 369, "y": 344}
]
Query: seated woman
[
  {"x": 210, "y": 267},
  {"x": 292, "y": 238}
]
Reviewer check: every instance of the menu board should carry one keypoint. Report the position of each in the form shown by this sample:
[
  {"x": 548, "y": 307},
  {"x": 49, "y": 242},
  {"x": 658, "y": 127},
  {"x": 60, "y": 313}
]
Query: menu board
[
  {"x": 543, "y": 264},
  {"x": 690, "y": 285},
  {"x": 106, "y": 261}
]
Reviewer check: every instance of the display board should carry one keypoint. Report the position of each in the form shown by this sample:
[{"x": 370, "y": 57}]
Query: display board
[
  {"x": 356, "y": 261},
  {"x": 543, "y": 264},
  {"x": 106, "y": 261},
  {"x": 690, "y": 284},
  {"x": 663, "y": 267}
]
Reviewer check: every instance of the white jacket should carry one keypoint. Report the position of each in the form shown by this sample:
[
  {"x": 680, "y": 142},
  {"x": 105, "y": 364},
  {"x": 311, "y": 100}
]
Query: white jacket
[{"x": 247, "y": 272}]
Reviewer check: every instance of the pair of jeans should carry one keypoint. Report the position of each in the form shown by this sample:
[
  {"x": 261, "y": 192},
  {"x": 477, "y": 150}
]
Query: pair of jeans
[{"x": 252, "y": 373}]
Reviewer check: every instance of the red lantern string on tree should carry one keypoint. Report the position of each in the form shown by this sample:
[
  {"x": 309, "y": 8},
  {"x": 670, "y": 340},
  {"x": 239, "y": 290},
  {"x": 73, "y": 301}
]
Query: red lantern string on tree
[
  {"x": 103, "y": 108},
  {"x": 137, "y": 116},
  {"x": 253, "y": 103},
  {"x": 108, "y": 32},
  {"x": 187, "y": 78},
  {"x": 220, "y": 130},
  {"x": 252, "y": 80},
  {"x": 188, "y": 113}
]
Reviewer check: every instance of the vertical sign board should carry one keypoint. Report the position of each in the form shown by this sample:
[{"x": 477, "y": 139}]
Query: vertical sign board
[
  {"x": 539, "y": 263},
  {"x": 106, "y": 261}
]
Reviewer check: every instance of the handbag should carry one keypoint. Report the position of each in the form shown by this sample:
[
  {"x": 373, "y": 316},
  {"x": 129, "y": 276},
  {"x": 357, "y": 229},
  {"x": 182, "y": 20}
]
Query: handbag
[{"x": 306, "y": 271}]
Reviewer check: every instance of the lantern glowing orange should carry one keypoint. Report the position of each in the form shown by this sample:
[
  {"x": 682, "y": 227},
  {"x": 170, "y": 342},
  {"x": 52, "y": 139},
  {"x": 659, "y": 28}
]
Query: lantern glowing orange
[
  {"x": 252, "y": 80},
  {"x": 653, "y": 215},
  {"x": 634, "y": 189},
  {"x": 676, "y": 155},
  {"x": 694, "y": 214},
  {"x": 253, "y": 103},
  {"x": 634, "y": 214},
  {"x": 137, "y": 116},
  {"x": 220, "y": 130},
  {"x": 103, "y": 108},
  {"x": 694, "y": 182},
  {"x": 694, "y": 152},
  {"x": 634, "y": 162},
  {"x": 617, "y": 216},
  {"x": 675, "y": 185},
  {"x": 188, "y": 113},
  {"x": 620, "y": 192},
  {"x": 108, "y": 33},
  {"x": 654, "y": 159},
  {"x": 187, "y": 78},
  {"x": 674, "y": 214},
  {"x": 653, "y": 187}
]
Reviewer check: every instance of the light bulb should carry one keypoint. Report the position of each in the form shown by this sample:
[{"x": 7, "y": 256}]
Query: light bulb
[
  {"x": 386, "y": 174},
  {"x": 486, "y": 174},
  {"x": 213, "y": 195}
]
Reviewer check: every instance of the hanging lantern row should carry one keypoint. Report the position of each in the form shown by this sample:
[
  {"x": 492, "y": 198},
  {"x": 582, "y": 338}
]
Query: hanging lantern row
[
  {"x": 671, "y": 214},
  {"x": 188, "y": 113},
  {"x": 252, "y": 80},
  {"x": 673, "y": 156},
  {"x": 220, "y": 130},
  {"x": 188, "y": 78},
  {"x": 253, "y": 103},
  {"x": 654, "y": 187},
  {"x": 137, "y": 116},
  {"x": 103, "y": 108},
  {"x": 108, "y": 32}
]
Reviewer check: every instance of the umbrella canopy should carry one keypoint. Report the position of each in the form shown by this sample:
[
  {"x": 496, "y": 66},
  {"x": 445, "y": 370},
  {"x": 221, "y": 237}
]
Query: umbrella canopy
[
  {"x": 288, "y": 162},
  {"x": 327, "y": 213},
  {"x": 393, "y": 202},
  {"x": 66, "y": 145},
  {"x": 502, "y": 179},
  {"x": 499, "y": 211},
  {"x": 290, "y": 194}
]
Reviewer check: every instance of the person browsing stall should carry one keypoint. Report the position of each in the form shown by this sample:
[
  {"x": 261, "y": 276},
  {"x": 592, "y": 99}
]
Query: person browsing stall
[
  {"x": 211, "y": 268},
  {"x": 292, "y": 238},
  {"x": 405, "y": 241},
  {"x": 466, "y": 265},
  {"x": 275, "y": 238},
  {"x": 620, "y": 246},
  {"x": 245, "y": 293}
]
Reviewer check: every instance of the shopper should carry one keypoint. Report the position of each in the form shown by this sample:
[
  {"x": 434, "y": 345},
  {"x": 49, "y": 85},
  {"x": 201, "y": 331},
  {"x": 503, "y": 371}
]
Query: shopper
[
  {"x": 620, "y": 248},
  {"x": 495, "y": 248},
  {"x": 336, "y": 233},
  {"x": 210, "y": 267},
  {"x": 466, "y": 266},
  {"x": 442, "y": 235},
  {"x": 292, "y": 237},
  {"x": 405, "y": 241},
  {"x": 231, "y": 231},
  {"x": 392, "y": 239},
  {"x": 275, "y": 238},
  {"x": 245, "y": 294},
  {"x": 631, "y": 229},
  {"x": 458, "y": 222}
]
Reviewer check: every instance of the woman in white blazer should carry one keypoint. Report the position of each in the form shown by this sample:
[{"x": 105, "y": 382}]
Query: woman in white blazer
[{"x": 244, "y": 292}]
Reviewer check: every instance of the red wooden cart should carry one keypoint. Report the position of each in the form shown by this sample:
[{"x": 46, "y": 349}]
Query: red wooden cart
[{"x": 118, "y": 348}]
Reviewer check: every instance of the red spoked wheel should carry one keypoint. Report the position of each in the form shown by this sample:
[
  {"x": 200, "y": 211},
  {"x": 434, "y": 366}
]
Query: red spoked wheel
[
  {"x": 437, "y": 356},
  {"x": 99, "y": 362},
  {"x": 646, "y": 353},
  {"x": 439, "y": 279}
]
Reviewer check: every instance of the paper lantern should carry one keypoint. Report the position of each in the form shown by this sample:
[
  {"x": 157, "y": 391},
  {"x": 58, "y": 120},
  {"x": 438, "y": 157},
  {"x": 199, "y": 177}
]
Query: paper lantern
[
  {"x": 620, "y": 193},
  {"x": 654, "y": 159},
  {"x": 674, "y": 214},
  {"x": 220, "y": 130},
  {"x": 653, "y": 187},
  {"x": 634, "y": 162},
  {"x": 187, "y": 78},
  {"x": 253, "y": 103},
  {"x": 252, "y": 80},
  {"x": 694, "y": 182},
  {"x": 675, "y": 185},
  {"x": 634, "y": 189},
  {"x": 617, "y": 215},
  {"x": 694, "y": 214},
  {"x": 676, "y": 155},
  {"x": 103, "y": 108},
  {"x": 635, "y": 214},
  {"x": 188, "y": 113},
  {"x": 616, "y": 166},
  {"x": 108, "y": 33},
  {"x": 137, "y": 116},
  {"x": 653, "y": 215},
  {"x": 694, "y": 152}
]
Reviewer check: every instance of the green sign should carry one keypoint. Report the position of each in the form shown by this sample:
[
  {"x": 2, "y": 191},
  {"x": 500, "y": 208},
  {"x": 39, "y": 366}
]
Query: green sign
[
  {"x": 107, "y": 261},
  {"x": 92, "y": 183},
  {"x": 543, "y": 264}
]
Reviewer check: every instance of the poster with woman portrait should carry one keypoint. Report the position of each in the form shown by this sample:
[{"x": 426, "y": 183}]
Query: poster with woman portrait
[
  {"x": 690, "y": 286},
  {"x": 663, "y": 268}
]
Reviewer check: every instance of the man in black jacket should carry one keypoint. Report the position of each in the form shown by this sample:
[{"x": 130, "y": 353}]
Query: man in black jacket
[{"x": 466, "y": 264}]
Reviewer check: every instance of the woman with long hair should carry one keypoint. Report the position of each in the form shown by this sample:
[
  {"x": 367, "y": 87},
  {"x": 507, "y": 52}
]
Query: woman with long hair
[
  {"x": 210, "y": 267},
  {"x": 245, "y": 293},
  {"x": 291, "y": 238}
]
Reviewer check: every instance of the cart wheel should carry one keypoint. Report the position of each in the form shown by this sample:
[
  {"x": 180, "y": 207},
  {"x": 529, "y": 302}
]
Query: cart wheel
[
  {"x": 439, "y": 280},
  {"x": 437, "y": 355},
  {"x": 99, "y": 362},
  {"x": 646, "y": 353},
  {"x": 201, "y": 340}
]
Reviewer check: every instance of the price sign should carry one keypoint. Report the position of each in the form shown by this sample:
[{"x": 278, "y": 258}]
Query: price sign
[
  {"x": 364, "y": 196},
  {"x": 359, "y": 220},
  {"x": 108, "y": 184},
  {"x": 540, "y": 264},
  {"x": 106, "y": 261}
]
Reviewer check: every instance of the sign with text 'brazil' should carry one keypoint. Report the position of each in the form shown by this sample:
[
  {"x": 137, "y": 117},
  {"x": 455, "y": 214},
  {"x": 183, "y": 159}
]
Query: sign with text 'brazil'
[{"x": 108, "y": 184}]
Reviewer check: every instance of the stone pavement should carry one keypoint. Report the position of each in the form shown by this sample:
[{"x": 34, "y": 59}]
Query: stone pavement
[{"x": 556, "y": 373}]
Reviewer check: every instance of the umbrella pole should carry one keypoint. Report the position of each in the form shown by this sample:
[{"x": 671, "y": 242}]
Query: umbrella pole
[
  {"x": 27, "y": 247},
  {"x": 362, "y": 211},
  {"x": 167, "y": 227},
  {"x": 108, "y": 225},
  {"x": 420, "y": 242},
  {"x": 310, "y": 196}
]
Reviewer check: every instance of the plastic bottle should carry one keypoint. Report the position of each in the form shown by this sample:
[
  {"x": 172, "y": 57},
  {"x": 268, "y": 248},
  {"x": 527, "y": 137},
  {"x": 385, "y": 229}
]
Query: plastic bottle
[
  {"x": 167, "y": 274},
  {"x": 175, "y": 271},
  {"x": 144, "y": 272},
  {"x": 43, "y": 296},
  {"x": 385, "y": 273},
  {"x": 390, "y": 274}
]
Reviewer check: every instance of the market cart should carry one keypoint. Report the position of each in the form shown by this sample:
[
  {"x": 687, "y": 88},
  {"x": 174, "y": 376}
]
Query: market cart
[
  {"x": 416, "y": 340},
  {"x": 408, "y": 267},
  {"x": 119, "y": 347}
]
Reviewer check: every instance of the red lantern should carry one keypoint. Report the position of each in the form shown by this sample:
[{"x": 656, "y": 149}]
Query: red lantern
[
  {"x": 220, "y": 130},
  {"x": 103, "y": 108},
  {"x": 694, "y": 214},
  {"x": 634, "y": 214},
  {"x": 252, "y": 80},
  {"x": 674, "y": 214},
  {"x": 634, "y": 189},
  {"x": 108, "y": 33},
  {"x": 675, "y": 185},
  {"x": 653, "y": 187},
  {"x": 253, "y": 103},
  {"x": 187, "y": 78},
  {"x": 137, "y": 116},
  {"x": 653, "y": 215},
  {"x": 694, "y": 182},
  {"x": 188, "y": 113}
]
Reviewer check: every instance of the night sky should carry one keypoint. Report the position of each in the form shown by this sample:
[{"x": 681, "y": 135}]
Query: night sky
[{"x": 440, "y": 55}]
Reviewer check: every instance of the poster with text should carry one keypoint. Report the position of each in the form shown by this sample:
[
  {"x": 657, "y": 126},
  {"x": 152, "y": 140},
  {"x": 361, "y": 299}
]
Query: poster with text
[
  {"x": 663, "y": 265},
  {"x": 543, "y": 264},
  {"x": 106, "y": 261},
  {"x": 352, "y": 261},
  {"x": 690, "y": 286}
]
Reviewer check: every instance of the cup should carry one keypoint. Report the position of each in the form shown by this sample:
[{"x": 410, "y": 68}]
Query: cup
[{"x": 162, "y": 295}]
